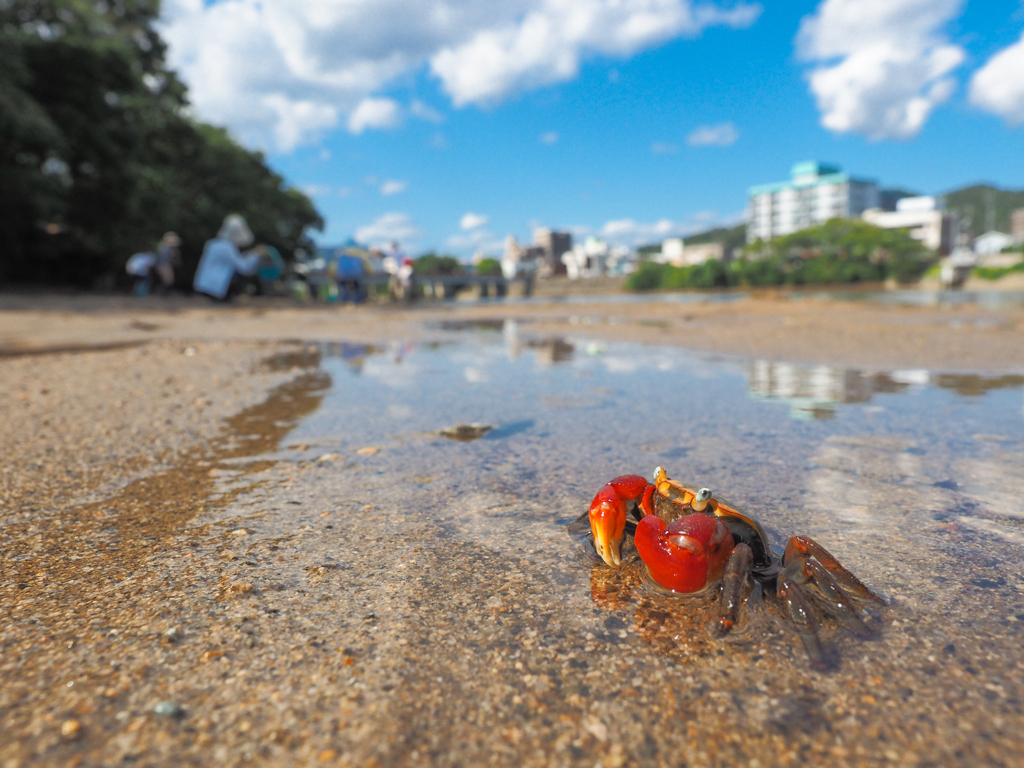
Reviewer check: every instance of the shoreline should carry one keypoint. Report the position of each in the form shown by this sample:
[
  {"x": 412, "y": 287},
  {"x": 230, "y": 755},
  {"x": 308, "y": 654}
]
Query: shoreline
[{"x": 758, "y": 326}]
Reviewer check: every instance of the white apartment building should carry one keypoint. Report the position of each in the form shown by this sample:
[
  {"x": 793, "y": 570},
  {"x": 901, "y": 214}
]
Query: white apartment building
[
  {"x": 992, "y": 242},
  {"x": 674, "y": 251},
  {"x": 815, "y": 193},
  {"x": 922, "y": 217}
]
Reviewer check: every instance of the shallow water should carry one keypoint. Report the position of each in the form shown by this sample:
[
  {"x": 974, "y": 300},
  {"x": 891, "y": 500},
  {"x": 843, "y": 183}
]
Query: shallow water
[
  {"x": 569, "y": 414},
  {"x": 489, "y": 633},
  {"x": 337, "y": 582},
  {"x": 910, "y": 297},
  {"x": 991, "y": 299}
]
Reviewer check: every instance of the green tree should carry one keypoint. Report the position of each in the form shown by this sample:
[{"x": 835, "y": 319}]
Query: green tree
[
  {"x": 98, "y": 156},
  {"x": 647, "y": 277},
  {"x": 437, "y": 264},
  {"x": 488, "y": 267}
]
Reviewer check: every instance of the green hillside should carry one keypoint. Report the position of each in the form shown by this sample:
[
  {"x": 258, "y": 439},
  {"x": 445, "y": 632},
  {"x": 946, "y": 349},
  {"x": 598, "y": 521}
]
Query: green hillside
[
  {"x": 730, "y": 237},
  {"x": 986, "y": 207}
]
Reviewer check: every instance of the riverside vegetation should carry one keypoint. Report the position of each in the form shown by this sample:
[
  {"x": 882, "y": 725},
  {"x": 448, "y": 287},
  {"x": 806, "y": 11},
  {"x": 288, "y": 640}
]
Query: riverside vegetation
[{"x": 838, "y": 251}]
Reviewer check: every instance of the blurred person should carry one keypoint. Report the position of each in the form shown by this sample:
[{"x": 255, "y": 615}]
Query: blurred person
[
  {"x": 400, "y": 267},
  {"x": 376, "y": 259},
  {"x": 271, "y": 268},
  {"x": 168, "y": 257},
  {"x": 223, "y": 270},
  {"x": 140, "y": 266}
]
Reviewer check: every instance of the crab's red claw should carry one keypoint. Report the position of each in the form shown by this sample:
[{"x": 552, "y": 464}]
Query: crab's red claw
[
  {"x": 608, "y": 515},
  {"x": 686, "y": 555},
  {"x": 607, "y": 523}
]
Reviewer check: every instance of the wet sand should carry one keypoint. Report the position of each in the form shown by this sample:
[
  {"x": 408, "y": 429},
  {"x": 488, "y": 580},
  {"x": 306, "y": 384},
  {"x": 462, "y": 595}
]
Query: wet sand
[{"x": 181, "y": 588}]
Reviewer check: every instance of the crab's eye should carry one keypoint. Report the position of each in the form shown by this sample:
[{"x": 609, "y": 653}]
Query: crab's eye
[{"x": 703, "y": 494}]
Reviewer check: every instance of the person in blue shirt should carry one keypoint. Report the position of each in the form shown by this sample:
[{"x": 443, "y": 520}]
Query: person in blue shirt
[{"x": 223, "y": 266}]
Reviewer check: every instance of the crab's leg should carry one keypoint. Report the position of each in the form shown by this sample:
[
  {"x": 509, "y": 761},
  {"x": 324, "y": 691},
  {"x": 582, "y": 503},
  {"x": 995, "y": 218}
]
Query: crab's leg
[
  {"x": 804, "y": 546},
  {"x": 806, "y": 625},
  {"x": 805, "y": 569},
  {"x": 737, "y": 570}
]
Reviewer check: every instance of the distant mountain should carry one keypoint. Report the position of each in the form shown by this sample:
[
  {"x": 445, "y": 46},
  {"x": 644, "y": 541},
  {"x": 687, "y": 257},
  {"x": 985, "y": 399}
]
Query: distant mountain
[
  {"x": 985, "y": 207},
  {"x": 730, "y": 237}
]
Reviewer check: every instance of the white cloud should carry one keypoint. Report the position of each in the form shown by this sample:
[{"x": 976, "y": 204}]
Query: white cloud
[
  {"x": 549, "y": 138},
  {"x": 663, "y": 148},
  {"x": 476, "y": 241},
  {"x": 883, "y": 65},
  {"x": 630, "y": 232},
  {"x": 280, "y": 72},
  {"x": 721, "y": 135},
  {"x": 374, "y": 113},
  {"x": 543, "y": 42},
  {"x": 998, "y": 86},
  {"x": 316, "y": 190},
  {"x": 472, "y": 220},
  {"x": 391, "y": 227},
  {"x": 635, "y": 233},
  {"x": 393, "y": 187},
  {"x": 294, "y": 120},
  {"x": 425, "y": 112}
]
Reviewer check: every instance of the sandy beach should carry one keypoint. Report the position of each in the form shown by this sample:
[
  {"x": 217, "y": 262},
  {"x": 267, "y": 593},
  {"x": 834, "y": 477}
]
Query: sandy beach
[{"x": 184, "y": 585}]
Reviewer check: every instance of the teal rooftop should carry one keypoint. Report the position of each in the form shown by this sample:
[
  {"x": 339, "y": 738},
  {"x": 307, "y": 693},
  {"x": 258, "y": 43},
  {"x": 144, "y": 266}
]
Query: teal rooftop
[
  {"x": 813, "y": 168},
  {"x": 808, "y": 173}
]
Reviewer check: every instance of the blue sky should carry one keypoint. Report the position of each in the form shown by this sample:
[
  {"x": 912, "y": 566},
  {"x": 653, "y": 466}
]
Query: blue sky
[{"x": 630, "y": 120}]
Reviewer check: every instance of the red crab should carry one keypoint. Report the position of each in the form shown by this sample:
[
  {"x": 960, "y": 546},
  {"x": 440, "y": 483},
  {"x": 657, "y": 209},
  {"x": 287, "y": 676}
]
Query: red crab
[{"x": 689, "y": 540}]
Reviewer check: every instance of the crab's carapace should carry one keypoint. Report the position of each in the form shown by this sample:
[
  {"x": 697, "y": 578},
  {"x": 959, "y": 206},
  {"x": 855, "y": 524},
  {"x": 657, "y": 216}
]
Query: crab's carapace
[
  {"x": 608, "y": 513},
  {"x": 685, "y": 555}
]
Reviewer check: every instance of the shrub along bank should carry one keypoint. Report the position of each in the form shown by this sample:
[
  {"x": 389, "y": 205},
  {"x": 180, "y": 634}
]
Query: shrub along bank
[{"x": 838, "y": 251}]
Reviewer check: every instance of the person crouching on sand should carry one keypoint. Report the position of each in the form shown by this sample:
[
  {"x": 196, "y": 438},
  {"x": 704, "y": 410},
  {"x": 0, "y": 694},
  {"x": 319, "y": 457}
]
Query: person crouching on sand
[
  {"x": 223, "y": 268},
  {"x": 168, "y": 257}
]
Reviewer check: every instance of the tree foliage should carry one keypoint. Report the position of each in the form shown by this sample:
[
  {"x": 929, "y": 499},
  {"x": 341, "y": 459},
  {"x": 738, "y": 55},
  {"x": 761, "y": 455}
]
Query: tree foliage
[
  {"x": 488, "y": 267},
  {"x": 838, "y": 251},
  {"x": 436, "y": 264},
  {"x": 98, "y": 156}
]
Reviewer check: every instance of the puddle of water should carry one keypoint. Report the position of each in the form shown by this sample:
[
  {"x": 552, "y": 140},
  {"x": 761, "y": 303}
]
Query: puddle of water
[
  {"x": 839, "y": 454},
  {"x": 918, "y": 298},
  {"x": 391, "y": 596},
  {"x": 664, "y": 297},
  {"x": 461, "y": 564},
  {"x": 817, "y": 391},
  {"x": 907, "y": 298}
]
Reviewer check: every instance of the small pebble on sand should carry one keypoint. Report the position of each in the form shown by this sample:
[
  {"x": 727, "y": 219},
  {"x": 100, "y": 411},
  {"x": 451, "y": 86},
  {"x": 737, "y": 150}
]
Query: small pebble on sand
[
  {"x": 239, "y": 588},
  {"x": 70, "y": 729},
  {"x": 168, "y": 709},
  {"x": 466, "y": 432}
]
